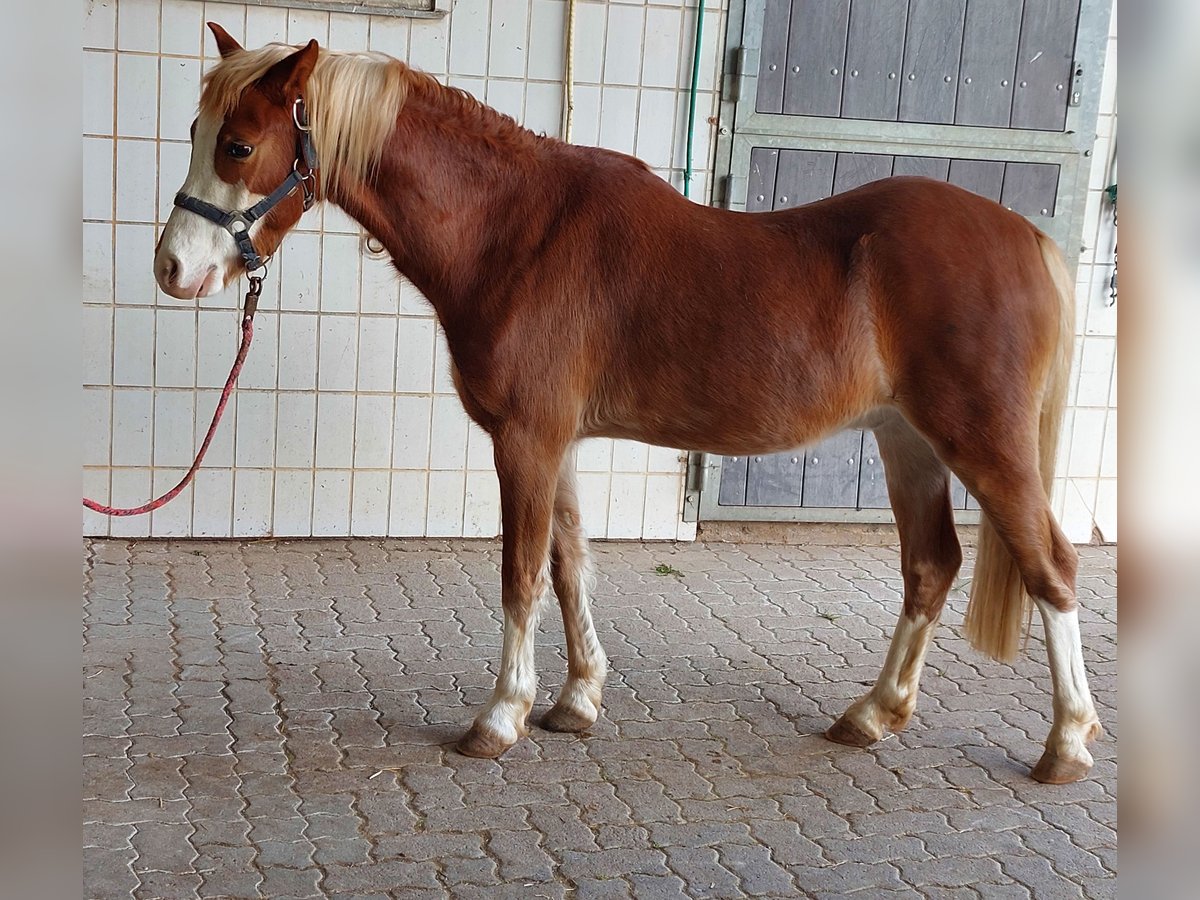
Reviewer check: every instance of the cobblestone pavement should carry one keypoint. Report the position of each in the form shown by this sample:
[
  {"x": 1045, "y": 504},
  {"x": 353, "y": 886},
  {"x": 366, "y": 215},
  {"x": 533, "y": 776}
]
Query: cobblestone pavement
[{"x": 276, "y": 719}]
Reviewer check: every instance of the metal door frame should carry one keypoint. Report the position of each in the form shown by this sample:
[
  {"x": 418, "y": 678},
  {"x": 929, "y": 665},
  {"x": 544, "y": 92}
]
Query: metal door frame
[{"x": 741, "y": 127}]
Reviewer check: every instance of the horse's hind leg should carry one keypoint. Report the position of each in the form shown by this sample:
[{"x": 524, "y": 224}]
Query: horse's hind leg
[
  {"x": 578, "y": 704},
  {"x": 919, "y": 489},
  {"x": 1014, "y": 501}
]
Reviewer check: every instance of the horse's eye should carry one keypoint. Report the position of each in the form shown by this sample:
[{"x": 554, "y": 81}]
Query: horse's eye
[{"x": 238, "y": 150}]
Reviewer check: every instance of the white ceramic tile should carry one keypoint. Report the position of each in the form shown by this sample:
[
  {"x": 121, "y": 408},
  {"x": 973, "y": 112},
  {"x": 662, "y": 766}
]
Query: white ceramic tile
[
  {"x": 348, "y": 31},
  {"x": 216, "y": 347},
  {"x": 97, "y": 356},
  {"x": 586, "y": 128},
  {"x": 335, "y": 431},
  {"x": 1108, "y": 455},
  {"x": 331, "y": 503},
  {"x": 265, "y": 25},
  {"x": 97, "y": 178},
  {"x": 414, "y": 359},
  {"x": 444, "y": 510},
  {"x": 253, "y": 493},
  {"x": 292, "y": 512},
  {"x": 656, "y": 127},
  {"x": 95, "y": 486},
  {"x": 480, "y": 453},
  {"x": 137, "y": 96},
  {"x": 180, "y": 94},
  {"x": 1078, "y": 517},
  {"x": 390, "y": 35},
  {"x": 182, "y": 27},
  {"x": 173, "y": 161},
  {"x": 339, "y": 273},
  {"x": 133, "y": 361},
  {"x": 380, "y": 286},
  {"x": 1112, "y": 391},
  {"x": 134, "y": 276},
  {"x": 626, "y": 505},
  {"x": 99, "y": 79},
  {"x": 1095, "y": 371},
  {"x": 662, "y": 513},
  {"x": 100, "y": 24},
  {"x": 594, "y": 455},
  {"x": 430, "y": 50},
  {"x": 547, "y": 30},
  {"x": 623, "y": 45},
  {"x": 97, "y": 262},
  {"x": 476, "y": 87},
  {"x": 306, "y": 24},
  {"x": 629, "y": 456},
  {"x": 590, "y": 19},
  {"x": 137, "y": 25},
  {"x": 665, "y": 460},
  {"x": 593, "y": 489},
  {"x": 133, "y": 428},
  {"x": 509, "y": 38},
  {"x": 410, "y": 445},
  {"x": 299, "y": 271},
  {"x": 130, "y": 487},
  {"x": 297, "y": 352},
  {"x": 212, "y": 506},
  {"x": 412, "y": 301},
  {"x": 1108, "y": 84},
  {"x": 174, "y": 519},
  {"x": 1106, "y": 509},
  {"x": 175, "y": 348},
  {"x": 701, "y": 139},
  {"x": 338, "y": 358},
  {"x": 708, "y": 53},
  {"x": 231, "y": 17},
  {"x": 254, "y": 443},
  {"x": 469, "y": 40},
  {"x": 261, "y": 366},
  {"x": 660, "y": 60},
  {"x": 373, "y": 433},
  {"x": 507, "y": 97},
  {"x": 482, "y": 512},
  {"x": 295, "y": 430},
  {"x": 220, "y": 451},
  {"x": 1087, "y": 441},
  {"x": 97, "y": 427},
  {"x": 448, "y": 434},
  {"x": 135, "y": 191},
  {"x": 337, "y": 220},
  {"x": 406, "y": 517},
  {"x": 618, "y": 118},
  {"x": 175, "y": 442},
  {"x": 376, "y": 353},
  {"x": 1064, "y": 443},
  {"x": 369, "y": 504},
  {"x": 543, "y": 108}
]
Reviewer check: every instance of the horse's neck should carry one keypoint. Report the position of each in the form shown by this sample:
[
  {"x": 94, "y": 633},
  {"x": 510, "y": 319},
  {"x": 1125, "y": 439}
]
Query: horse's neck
[{"x": 445, "y": 202}]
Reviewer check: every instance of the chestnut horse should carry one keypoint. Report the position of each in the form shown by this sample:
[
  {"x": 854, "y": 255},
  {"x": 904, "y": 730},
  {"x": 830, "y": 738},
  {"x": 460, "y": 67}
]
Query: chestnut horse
[{"x": 580, "y": 295}]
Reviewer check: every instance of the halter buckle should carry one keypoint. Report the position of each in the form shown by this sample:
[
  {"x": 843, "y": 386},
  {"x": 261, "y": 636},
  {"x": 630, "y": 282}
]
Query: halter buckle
[{"x": 300, "y": 111}]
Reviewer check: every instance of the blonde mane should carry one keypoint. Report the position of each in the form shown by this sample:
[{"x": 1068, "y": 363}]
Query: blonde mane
[{"x": 353, "y": 100}]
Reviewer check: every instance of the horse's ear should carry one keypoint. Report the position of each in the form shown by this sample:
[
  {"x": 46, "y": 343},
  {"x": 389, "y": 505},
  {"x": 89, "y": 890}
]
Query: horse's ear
[
  {"x": 226, "y": 43},
  {"x": 290, "y": 74}
]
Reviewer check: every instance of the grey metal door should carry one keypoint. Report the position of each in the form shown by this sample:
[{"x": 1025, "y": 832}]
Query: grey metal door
[{"x": 821, "y": 96}]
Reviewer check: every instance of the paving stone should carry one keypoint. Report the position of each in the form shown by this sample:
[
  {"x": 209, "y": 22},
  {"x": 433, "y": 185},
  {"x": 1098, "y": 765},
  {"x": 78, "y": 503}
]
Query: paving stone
[{"x": 276, "y": 719}]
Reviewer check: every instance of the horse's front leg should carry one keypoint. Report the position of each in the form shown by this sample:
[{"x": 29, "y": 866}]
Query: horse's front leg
[{"x": 527, "y": 465}]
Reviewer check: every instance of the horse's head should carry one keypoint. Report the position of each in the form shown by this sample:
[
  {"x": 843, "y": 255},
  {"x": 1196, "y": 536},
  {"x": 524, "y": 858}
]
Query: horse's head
[{"x": 246, "y": 144}]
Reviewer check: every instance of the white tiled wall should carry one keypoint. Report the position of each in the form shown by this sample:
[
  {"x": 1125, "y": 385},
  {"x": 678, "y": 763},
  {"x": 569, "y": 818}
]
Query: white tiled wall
[
  {"x": 345, "y": 420},
  {"x": 1086, "y": 490}
]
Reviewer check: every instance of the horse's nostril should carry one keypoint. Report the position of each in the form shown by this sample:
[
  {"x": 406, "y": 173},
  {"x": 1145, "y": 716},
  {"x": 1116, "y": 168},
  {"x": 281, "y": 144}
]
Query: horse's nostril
[{"x": 170, "y": 269}]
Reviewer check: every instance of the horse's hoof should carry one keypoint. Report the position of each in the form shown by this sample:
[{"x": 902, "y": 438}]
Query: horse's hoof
[
  {"x": 565, "y": 718},
  {"x": 843, "y": 731},
  {"x": 1052, "y": 769},
  {"x": 481, "y": 743}
]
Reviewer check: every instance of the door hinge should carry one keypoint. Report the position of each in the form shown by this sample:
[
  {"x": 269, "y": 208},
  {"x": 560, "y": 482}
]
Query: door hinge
[{"x": 746, "y": 66}]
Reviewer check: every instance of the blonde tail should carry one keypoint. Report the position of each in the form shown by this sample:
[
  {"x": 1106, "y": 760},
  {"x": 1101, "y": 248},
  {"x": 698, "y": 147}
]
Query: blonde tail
[{"x": 999, "y": 603}]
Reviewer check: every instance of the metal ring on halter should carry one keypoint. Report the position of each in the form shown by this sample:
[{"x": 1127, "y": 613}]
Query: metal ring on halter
[{"x": 299, "y": 101}]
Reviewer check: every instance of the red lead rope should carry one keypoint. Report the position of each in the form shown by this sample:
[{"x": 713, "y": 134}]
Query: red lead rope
[{"x": 251, "y": 305}]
